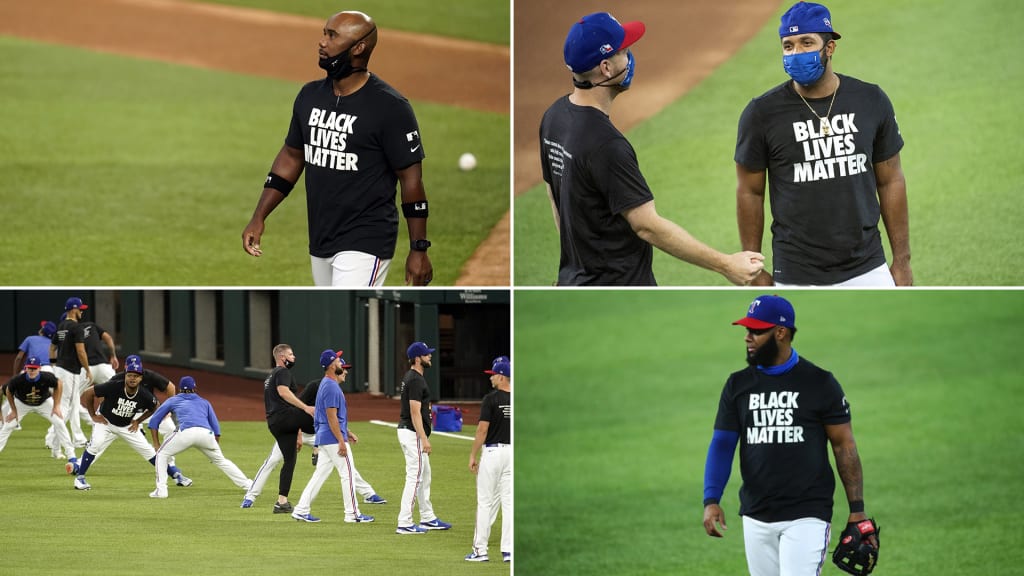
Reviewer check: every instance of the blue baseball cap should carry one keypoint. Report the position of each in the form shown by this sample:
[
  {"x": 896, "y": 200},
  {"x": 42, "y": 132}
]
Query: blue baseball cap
[
  {"x": 187, "y": 383},
  {"x": 596, "y": 37},
  {"x": 417, "y": 349},
  {"x": 503, "y": 368},
  {"x": 75, "y": 302},
  {"x": 500, "y": 359},
  {"x": 767, "y": 311},
  {"x": 48, "y": 328},
  {"x": 32, "y": 362},
  {"x": 805, "y": 18},
  {"x": 327, "y": 357},
  {"x": 133, "y": 364}
]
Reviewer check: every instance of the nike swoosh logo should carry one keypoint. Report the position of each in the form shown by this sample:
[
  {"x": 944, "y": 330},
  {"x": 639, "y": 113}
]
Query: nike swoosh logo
[{"x": 414, "y": 148}]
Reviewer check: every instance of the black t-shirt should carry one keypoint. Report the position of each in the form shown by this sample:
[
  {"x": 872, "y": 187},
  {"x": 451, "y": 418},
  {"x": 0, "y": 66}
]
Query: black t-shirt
[
  {"x": 94, "y": 347},
  {"x": 414, "y": 387},
  {"x": 279, "y": 376},
  {"x": 497, "y": 410},
  {"x": 150, "y": 380},
  {"x": 353, "y": 145},
  {"x": 32, "y": 393},
  {"x": 783, "y": 445},
  {"x": 822, "y": 189},
  {"x": 68, "y": 334},
  {"x": 308, "y": 395},
  {"x": 594, "y": 177},
  {"x": 118, "y": 407}
]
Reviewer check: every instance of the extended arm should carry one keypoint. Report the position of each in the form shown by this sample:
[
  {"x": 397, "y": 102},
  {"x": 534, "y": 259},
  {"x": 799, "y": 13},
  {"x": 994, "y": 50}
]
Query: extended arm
[
  {"x": 417, "y": 423},
  {"x": 750, "y": 188},
  {"x": 289, "y": 397},
  {"x": 83, "y": 359},
  {"x": 109, "y": 341},
  {"x": 332, "y": 422},
  {"x": 892, "y": 199},
  {"x": 739, "y": 268},
  {"x": 418, "y": 269},
  {"x": 717, "y": 469},
  {"x": 478, "y": 442},
  {"x": 848, "y": 464},
  {"x": 288, "y": 165}
]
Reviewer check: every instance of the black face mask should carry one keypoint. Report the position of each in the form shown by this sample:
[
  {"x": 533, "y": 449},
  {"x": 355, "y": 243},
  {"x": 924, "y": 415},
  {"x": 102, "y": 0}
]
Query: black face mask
[
  {"x": 340, "y": 66},
  {"x": 289, "y": 363},
  {"x": 339, "y": 371}
]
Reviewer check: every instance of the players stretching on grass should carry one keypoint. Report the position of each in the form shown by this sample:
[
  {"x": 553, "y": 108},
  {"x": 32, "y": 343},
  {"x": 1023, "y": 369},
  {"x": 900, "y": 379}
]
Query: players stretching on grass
[
  {"x": 356, "y": 137},
  {"x": 308, "y": 397},
  {"x": 122, "y": 407},
  {"x": 494, "y": 470},
  {"x": 830, "y": 147},
  {"x": 332, "y": 436},
  {"x": 783, "y": 411},
  {"x": 36, "y": 392},
  {"x": 197, "y": 427}
]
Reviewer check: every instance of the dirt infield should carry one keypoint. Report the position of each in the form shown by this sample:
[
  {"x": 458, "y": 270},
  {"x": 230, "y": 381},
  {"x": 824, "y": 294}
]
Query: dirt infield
[
  {"x": 685, "y": 41},
  {"x": 279, "y": 46},
  {"x": 241, "y": 399}
]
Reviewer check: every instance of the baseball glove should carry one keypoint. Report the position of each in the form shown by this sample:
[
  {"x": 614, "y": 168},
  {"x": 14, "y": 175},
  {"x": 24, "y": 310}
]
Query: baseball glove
[{"x": 854, "y": 554}]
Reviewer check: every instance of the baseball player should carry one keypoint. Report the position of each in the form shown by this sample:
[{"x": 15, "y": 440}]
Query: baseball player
[
  {"x": 102, "y": 364},
  {"x": 308, "y": 397},
  {"x": 36, "y": 392},
  {"x": 782, "y": 410},
  {"x": 494, "y": 470},
  {"x": 197, "y": 427},
  {"x": 35, "y": 346},
  {"x": 830, "y": 147},
  {"x": 72, "y": 365},
  {"x": 356, "y": 137},
  {"x": 332, "y": 436},
  {"x": 414, "y": 438},
  {"x": 603, "y": 209},
  {"x": 287, "y": 416},
  {"x": 122, "y": 408}
]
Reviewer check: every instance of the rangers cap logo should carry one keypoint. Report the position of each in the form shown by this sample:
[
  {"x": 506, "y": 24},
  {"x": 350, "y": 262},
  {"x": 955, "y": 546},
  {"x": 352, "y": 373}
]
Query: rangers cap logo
[{"x": 606, "y": 49}]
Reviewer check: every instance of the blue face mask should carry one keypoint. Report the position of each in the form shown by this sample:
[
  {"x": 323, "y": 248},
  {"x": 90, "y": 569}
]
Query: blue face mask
[
  {"x": 805, "y": 67},
  {"x": 630, "y": 68},
  {"x": 624, "y": 84}
]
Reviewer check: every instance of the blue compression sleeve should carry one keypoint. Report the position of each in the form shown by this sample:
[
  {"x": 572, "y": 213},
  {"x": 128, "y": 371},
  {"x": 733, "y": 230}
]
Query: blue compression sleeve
[{"x": 719, "y": 464}]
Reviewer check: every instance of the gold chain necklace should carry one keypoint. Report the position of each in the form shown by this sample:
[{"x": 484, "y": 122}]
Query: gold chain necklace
[{"x": 822, "y": 120}]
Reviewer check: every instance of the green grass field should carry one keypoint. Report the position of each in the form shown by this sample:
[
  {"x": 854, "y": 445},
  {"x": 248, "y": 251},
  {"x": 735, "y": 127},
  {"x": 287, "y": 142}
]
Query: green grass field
[
  {"x": 613, "y": 425},
  {"x": 202, "y": 530},
  {"x": 115, "y": 182},
  {"x": 952, "y": 96},
  {"x": 479, "y": 20}
]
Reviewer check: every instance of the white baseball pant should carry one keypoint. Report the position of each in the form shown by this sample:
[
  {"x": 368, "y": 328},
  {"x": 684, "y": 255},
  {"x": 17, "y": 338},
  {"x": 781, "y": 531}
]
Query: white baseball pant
[
  {"x": 104, "y": 434},
  {"x": 878, "y": 277},
  {"x": 417, "y": 479},
  {"x": 330, "y": 459},
  {"x": 46, "y": 411},
  {"x": 792, "y": 548},
  {"x": 493, "y": 490},
  {"x": 363, "y": 488},
  {"x": 70, "y": 398},
  {"x": 350, "y": 268},
  {"x": 206, "y": 442}
]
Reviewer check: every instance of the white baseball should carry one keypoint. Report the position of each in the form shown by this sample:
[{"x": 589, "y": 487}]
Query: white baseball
[{"x": 467, "y": 162}]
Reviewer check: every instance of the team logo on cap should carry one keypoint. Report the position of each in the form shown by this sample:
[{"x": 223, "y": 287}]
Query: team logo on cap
[
  {"x": 606, "y": 49},
  {"x": 827, "y": 23}
]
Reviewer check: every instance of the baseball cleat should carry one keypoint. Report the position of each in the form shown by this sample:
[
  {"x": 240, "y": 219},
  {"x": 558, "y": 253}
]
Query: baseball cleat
[
  {"x": 506, "y": 556},
  {"x": 305, "y": 518},
  {"x": 375, "y": 500},
  {"x": 436, "y": 524},
  {"x": 414, "y": 529},
  {"x": 360, "y": 518},
  {"x": 182, "y": 480},
  {"x": 72, "y": 466},
  {"x": 285, "y": 508},
  {"x": 247, "y": 503},
  {"x": 158, "y": 493},
  {"x": 81, "y": 484},
  {"x": 474, "y": 557}
]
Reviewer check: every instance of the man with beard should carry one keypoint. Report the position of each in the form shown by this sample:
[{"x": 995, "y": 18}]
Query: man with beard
[
  {"x": 782, "y": 409},
  {"x": 414, "y": 438},
  {"x": 604, "y": 212},
  {"x": 356, "y": 137}
]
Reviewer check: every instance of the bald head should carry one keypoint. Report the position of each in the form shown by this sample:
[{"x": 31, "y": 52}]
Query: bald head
[{"x": 351, "y": 30}]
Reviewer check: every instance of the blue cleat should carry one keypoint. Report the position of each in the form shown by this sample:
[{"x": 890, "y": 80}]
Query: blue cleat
[{"x": 436, "y": 524}]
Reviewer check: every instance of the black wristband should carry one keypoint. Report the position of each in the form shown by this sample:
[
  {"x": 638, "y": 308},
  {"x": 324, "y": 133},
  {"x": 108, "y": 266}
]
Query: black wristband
[
  {"x": 415, "y": 209},
  {"x": 856, "y": 506},
  {"x": 278, "y": 183}
]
